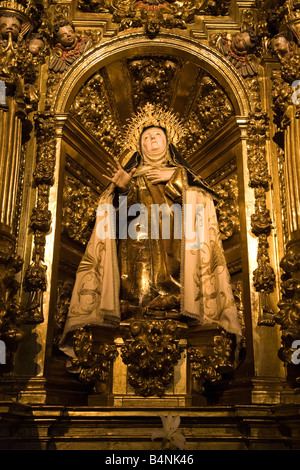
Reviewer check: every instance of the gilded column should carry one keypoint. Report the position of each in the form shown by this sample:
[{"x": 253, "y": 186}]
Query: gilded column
[
  {"x": 286, "y": 101},
  {"x": 10, "y": 151},
  {"x": 18, "y": 97},
  {"x": 12, "y": 116}
]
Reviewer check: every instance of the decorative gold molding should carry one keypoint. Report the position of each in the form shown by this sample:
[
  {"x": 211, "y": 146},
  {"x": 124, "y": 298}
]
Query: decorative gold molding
[{"x": 153, "y": 15}]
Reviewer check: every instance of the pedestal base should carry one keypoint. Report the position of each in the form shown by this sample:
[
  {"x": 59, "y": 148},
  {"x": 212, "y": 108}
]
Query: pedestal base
[{"x": 152, "y": 362}]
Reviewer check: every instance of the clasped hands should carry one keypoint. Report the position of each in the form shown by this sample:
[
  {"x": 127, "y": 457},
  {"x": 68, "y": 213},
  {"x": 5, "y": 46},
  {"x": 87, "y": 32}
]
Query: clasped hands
[{"x": 122, "y": 179}]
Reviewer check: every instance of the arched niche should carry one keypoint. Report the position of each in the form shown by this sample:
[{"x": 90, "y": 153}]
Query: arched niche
[
  {"x": 138, "y": 44},
  {"x": 221, "y": 156},
  {"x": 62, "y": 258}
]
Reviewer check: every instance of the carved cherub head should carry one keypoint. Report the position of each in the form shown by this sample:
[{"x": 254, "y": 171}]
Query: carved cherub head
[
  {"x": 10, "y": 23},
  {"x": 244, "y": 41},
  {"x": 36, "y": 44},
  {"x": 281, "y": 46},
  {"x": 64, "y": 33}
]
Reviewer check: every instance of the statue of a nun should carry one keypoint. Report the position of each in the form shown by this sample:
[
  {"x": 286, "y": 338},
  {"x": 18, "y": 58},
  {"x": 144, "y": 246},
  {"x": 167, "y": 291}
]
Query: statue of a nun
[{"x": 156, "y": 250}]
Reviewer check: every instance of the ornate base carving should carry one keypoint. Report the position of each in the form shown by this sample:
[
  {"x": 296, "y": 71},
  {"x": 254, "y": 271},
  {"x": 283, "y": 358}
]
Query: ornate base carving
[{"x": 152, "y": 362}]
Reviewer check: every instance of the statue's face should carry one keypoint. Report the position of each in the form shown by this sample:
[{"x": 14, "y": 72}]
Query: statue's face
[
  {"x": 10, "y": 25},
  {"x": 66, "y": 35},
  {"x": 280, "y": 45},
  {"x": 154, "y": 141},
  {"x": 242, "y": 42}
]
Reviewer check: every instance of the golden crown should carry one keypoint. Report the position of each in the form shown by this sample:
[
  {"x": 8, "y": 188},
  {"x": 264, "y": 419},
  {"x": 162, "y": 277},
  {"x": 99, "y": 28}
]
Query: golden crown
[
  {"x": 156, "y": 116},
  {"x": 18, "y": 7}
]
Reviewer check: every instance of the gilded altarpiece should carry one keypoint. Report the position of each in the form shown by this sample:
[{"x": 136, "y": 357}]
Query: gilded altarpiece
[{"x": 72, "y": 75}]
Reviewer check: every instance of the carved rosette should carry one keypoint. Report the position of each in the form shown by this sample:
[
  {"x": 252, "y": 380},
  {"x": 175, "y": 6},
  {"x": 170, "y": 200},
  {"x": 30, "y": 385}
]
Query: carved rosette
[
  {"x": 150, "y": 353},
  {"x": 208, "y": 365},
  {"x": 40, "y": 222},
  {"x": 93, "y": 359},
  {"x": 261, "y": 223}
]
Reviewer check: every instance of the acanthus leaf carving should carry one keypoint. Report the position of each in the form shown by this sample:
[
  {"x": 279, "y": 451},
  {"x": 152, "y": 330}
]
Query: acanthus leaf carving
[{"x": 227, "y": 207}]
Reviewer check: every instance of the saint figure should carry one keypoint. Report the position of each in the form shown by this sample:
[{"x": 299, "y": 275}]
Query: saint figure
[{"x": 156, "y": 250}]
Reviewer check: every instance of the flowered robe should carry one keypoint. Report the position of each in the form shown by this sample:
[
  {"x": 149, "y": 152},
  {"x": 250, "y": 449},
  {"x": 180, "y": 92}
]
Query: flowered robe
[{"x": 111, "y": 272}]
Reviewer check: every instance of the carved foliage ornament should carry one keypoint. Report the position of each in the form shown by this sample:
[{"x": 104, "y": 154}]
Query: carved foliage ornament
[
  {"x": 210, "y": 111},
  {"x": 93, "y": 360},
  {"x": 150, "y": 352},
  {"x": 152, "y": 79},
  {"x": 284, "y": 93},
  {"x": 227, "y": 207},
  {"x": 40, "y": 222},
  {"x": 261, "y": 223},
  {"x": 90, "y": 107},
  {"x": 208, "y": 365}
]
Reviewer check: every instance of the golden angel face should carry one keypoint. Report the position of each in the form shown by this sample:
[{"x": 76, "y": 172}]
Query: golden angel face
[
  {"x": 66, "y": 36},
  {"x": 281, "y": 46},
  {"x": 10, "y": 25},
  {"x": 242, "y": 42},
  {"x": 153, "y": 141}
]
